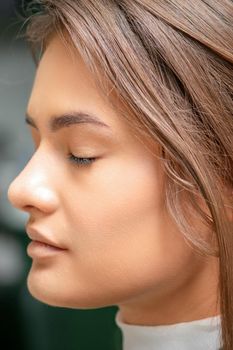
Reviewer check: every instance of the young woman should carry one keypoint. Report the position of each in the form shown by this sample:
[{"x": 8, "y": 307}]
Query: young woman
[{"x": 129, "y": 190}]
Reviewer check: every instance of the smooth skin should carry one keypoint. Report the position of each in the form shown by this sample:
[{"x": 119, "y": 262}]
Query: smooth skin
[{"x": 122, "y": 247}]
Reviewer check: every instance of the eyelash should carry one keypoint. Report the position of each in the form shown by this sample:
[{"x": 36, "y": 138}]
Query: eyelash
[{"x": 79, "y": 161}]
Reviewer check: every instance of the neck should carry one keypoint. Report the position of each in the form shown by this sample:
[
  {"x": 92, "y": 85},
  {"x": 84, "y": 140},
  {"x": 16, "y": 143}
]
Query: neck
[{"x": 193, "y": 300}]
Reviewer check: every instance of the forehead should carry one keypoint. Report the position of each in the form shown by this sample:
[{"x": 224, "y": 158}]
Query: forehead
[{"x": 64, "y": 83}]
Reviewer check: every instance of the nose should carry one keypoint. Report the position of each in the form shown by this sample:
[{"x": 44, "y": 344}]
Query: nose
[{"x": 34, "y": 188}]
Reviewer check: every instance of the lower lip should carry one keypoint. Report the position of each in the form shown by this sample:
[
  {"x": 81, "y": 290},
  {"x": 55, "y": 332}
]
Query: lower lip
[{"x": 38, "y": 249}]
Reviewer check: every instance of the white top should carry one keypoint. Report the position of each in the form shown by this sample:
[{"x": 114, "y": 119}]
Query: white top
[{"x": 204, "y": 334}]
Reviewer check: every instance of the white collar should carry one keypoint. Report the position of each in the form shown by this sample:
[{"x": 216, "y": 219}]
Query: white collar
[{"x": 200, "y": 334}]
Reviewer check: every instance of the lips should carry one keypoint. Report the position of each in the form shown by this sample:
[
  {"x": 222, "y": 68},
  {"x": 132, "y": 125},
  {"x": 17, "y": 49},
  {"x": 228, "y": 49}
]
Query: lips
[{"x": 37, "y": 236}]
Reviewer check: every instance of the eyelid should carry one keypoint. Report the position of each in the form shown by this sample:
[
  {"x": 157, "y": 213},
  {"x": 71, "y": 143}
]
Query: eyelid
[{"x": 81, "y": 161}]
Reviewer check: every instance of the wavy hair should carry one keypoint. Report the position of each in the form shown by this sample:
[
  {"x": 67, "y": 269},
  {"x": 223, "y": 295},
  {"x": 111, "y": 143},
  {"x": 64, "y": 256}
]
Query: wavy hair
[{"x": 171, "y": 65}]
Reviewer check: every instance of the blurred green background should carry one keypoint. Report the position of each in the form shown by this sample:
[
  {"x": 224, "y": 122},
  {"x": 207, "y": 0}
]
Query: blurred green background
[{"x": 27, "y": 324}]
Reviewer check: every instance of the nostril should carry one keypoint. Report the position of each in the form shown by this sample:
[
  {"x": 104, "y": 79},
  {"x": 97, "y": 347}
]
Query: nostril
[{"x": 28, "y": 208}]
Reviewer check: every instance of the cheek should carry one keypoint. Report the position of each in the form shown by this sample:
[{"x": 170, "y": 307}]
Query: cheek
[
  {"x": 115, "y": 202},
  {"x": 122, "y": 234}
]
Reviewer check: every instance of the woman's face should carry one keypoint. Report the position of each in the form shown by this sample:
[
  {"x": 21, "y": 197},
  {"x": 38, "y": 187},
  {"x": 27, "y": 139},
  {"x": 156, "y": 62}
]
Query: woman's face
[{"x": 109, "y": 215}]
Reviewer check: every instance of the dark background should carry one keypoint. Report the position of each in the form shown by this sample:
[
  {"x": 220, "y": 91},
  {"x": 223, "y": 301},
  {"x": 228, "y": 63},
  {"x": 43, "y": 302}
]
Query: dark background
[{"x": 27, "y": 324}]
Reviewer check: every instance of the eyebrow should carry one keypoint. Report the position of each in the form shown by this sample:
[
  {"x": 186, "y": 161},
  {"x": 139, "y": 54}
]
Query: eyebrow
[{"x": 69, "y": 119}]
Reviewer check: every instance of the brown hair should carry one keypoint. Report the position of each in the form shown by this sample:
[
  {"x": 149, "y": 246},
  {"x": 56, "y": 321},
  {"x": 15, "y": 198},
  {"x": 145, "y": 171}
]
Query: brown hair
[{"x": 170, "y": 63}]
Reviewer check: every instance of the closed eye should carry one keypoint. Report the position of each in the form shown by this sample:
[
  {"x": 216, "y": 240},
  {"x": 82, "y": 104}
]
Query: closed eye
[{"x": 81, "y": 161}]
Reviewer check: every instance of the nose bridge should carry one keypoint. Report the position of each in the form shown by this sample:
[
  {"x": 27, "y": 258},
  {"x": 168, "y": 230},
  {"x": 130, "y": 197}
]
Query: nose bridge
[
  {"x": 37, "y": 170},
  {"x": 35, "y": 185}
]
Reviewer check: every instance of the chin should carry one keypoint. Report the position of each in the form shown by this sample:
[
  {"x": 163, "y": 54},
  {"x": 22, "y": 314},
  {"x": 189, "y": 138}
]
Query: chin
[
  {"x": 55, "y": 295},
  {"x": 55, "y": 288}
]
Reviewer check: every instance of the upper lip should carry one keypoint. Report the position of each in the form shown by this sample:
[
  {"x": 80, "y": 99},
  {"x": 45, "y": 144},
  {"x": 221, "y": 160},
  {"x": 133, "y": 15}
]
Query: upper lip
[{"x": 35, "y": 235}]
